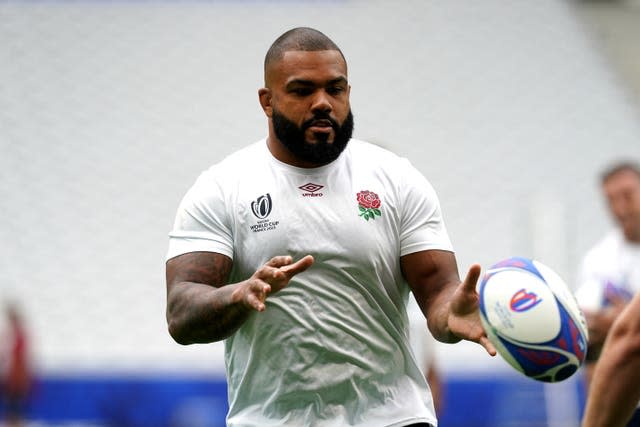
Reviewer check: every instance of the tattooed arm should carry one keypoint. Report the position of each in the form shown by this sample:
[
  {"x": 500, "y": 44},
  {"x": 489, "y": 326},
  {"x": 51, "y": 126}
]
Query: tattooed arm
[{"x": 202, "y": 307}]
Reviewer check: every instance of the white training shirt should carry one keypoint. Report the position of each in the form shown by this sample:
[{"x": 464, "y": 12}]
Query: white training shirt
[
  {"x": 332, "y": 348},
  {"x": 612, "y": 265},
  {"x": 423, "y": 344}
]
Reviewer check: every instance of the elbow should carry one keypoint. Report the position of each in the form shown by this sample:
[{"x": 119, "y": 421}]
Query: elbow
[
  {"x": 177, "y": 324},
  {"x": 177, "y": 329},
  {"x": 175, "y": 334},
  {"x": 185, "y": 333},
  {"x": 626, "y": 338}
]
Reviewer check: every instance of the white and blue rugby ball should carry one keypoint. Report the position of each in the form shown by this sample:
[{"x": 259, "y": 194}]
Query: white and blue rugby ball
[{"x": 533, "y": 319}]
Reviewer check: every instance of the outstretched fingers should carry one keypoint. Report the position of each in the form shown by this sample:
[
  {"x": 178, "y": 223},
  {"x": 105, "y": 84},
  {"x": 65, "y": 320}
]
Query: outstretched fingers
[
  {"x": 470, "y": 282},
  {"x": 258, "y": 294},
  {"x": 298, "y": 266},
  {"x": 488, "y": 345},
  {"x": 283, "y": 268},
  {"x": 274, "y": 275},
  {"x": 468, "y": 307},
  {"x": 279, "y": 261}
]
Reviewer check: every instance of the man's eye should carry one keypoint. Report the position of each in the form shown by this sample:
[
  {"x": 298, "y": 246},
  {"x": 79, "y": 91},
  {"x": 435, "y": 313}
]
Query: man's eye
[
  {"x": 302, "y": 91},
  {"x": 335, "y": 90}
]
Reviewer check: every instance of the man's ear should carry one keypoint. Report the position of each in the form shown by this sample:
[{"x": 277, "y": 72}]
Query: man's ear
[{"x": 264, "y": 95}]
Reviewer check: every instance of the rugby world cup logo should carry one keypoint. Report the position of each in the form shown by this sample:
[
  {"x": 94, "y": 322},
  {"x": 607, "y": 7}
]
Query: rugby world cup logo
[
  {"x": 261, "y": 207},
  {"x": 523, "y": 301}
]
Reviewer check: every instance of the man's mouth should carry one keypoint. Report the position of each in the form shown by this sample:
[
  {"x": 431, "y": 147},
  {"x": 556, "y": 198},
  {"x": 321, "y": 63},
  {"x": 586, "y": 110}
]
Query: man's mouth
[{"x": 321, "y": 126}]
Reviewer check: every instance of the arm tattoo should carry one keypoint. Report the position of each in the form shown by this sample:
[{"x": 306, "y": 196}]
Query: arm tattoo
[
  {"x": 198, "y": 308},
  {"x": 201, "y": 267}
]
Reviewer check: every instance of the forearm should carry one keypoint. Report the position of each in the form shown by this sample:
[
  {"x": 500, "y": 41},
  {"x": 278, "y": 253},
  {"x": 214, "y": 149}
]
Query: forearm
[
  {"x": 438, "y": 319},
  {"x": 199, "y": 313},
  {"x": 450, "y": 306},
  {"x": 613, "y": 393}
]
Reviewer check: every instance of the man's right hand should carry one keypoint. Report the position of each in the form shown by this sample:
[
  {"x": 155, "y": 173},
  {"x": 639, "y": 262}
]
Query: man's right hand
[
  {"x": 203, "y": 307},
  {"x": 270, "y": 278}
]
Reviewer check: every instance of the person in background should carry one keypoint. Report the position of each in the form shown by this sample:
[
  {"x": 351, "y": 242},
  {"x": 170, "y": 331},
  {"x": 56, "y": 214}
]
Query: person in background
[
  {"x": 615, "y": 384},
  {"x": 609, "y": 274},
  {"x": 17, "y": 376}
]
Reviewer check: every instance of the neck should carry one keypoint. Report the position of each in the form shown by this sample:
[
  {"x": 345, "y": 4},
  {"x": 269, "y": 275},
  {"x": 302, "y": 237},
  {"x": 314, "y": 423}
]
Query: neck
[{"x": 280, "y": 152}]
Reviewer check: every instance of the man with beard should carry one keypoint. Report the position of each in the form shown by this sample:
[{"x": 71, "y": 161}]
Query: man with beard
[{"x": 322, "y": 340}]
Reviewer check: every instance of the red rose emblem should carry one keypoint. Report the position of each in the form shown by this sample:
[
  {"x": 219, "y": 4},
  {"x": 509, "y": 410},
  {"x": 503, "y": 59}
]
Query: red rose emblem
[
  {"x": 369, "y": 204},
  {"x": 368, "y": 199}
]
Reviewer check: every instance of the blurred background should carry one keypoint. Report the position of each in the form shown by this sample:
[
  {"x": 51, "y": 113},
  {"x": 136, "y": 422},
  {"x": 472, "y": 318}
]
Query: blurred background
[{"x": 109, "y": 110}]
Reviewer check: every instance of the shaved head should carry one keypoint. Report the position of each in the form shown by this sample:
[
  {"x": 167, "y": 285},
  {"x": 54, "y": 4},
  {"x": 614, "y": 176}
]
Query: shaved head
[
  {"x": 306, "y": 98},
  {"x": 298, "y": 39},
  {"x": 620, "y": 167}
]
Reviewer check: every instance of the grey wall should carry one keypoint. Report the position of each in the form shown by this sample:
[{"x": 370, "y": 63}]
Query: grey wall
[{"x": 109, "y": 111}]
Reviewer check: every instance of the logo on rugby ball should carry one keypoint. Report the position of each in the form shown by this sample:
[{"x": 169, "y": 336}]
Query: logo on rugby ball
[{"x": 523, "y": 301}]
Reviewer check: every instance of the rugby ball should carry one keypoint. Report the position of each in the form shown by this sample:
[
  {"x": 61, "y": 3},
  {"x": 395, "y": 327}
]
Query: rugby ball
[{"x": 533, "y": 319}]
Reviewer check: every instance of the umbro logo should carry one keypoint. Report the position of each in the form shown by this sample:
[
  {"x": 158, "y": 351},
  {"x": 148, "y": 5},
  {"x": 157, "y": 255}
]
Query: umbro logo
[{"x": 311, "y": 190}]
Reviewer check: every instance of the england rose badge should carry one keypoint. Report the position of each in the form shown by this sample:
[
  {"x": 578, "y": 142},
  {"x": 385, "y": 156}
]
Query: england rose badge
[{"x": 369, "y": 204}]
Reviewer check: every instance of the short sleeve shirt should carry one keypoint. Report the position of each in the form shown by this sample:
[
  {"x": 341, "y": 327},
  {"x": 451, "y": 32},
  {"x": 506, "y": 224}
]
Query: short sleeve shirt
[{"x": 332, "y": 348}]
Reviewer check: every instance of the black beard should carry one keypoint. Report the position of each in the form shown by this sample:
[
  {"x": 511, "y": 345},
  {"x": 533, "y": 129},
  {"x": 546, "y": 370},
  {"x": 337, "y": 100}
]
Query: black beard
[{"x": 320, "y": 153}]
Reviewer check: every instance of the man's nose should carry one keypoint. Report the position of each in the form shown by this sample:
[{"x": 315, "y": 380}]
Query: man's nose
[
  {"x": 321, "y": 102},
  {"x": 619, "y": 208}
]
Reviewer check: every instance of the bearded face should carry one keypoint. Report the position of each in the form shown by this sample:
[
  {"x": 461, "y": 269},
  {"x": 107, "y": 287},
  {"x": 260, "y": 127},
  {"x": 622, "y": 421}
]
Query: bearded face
[{"x": 322, "y": 150}]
